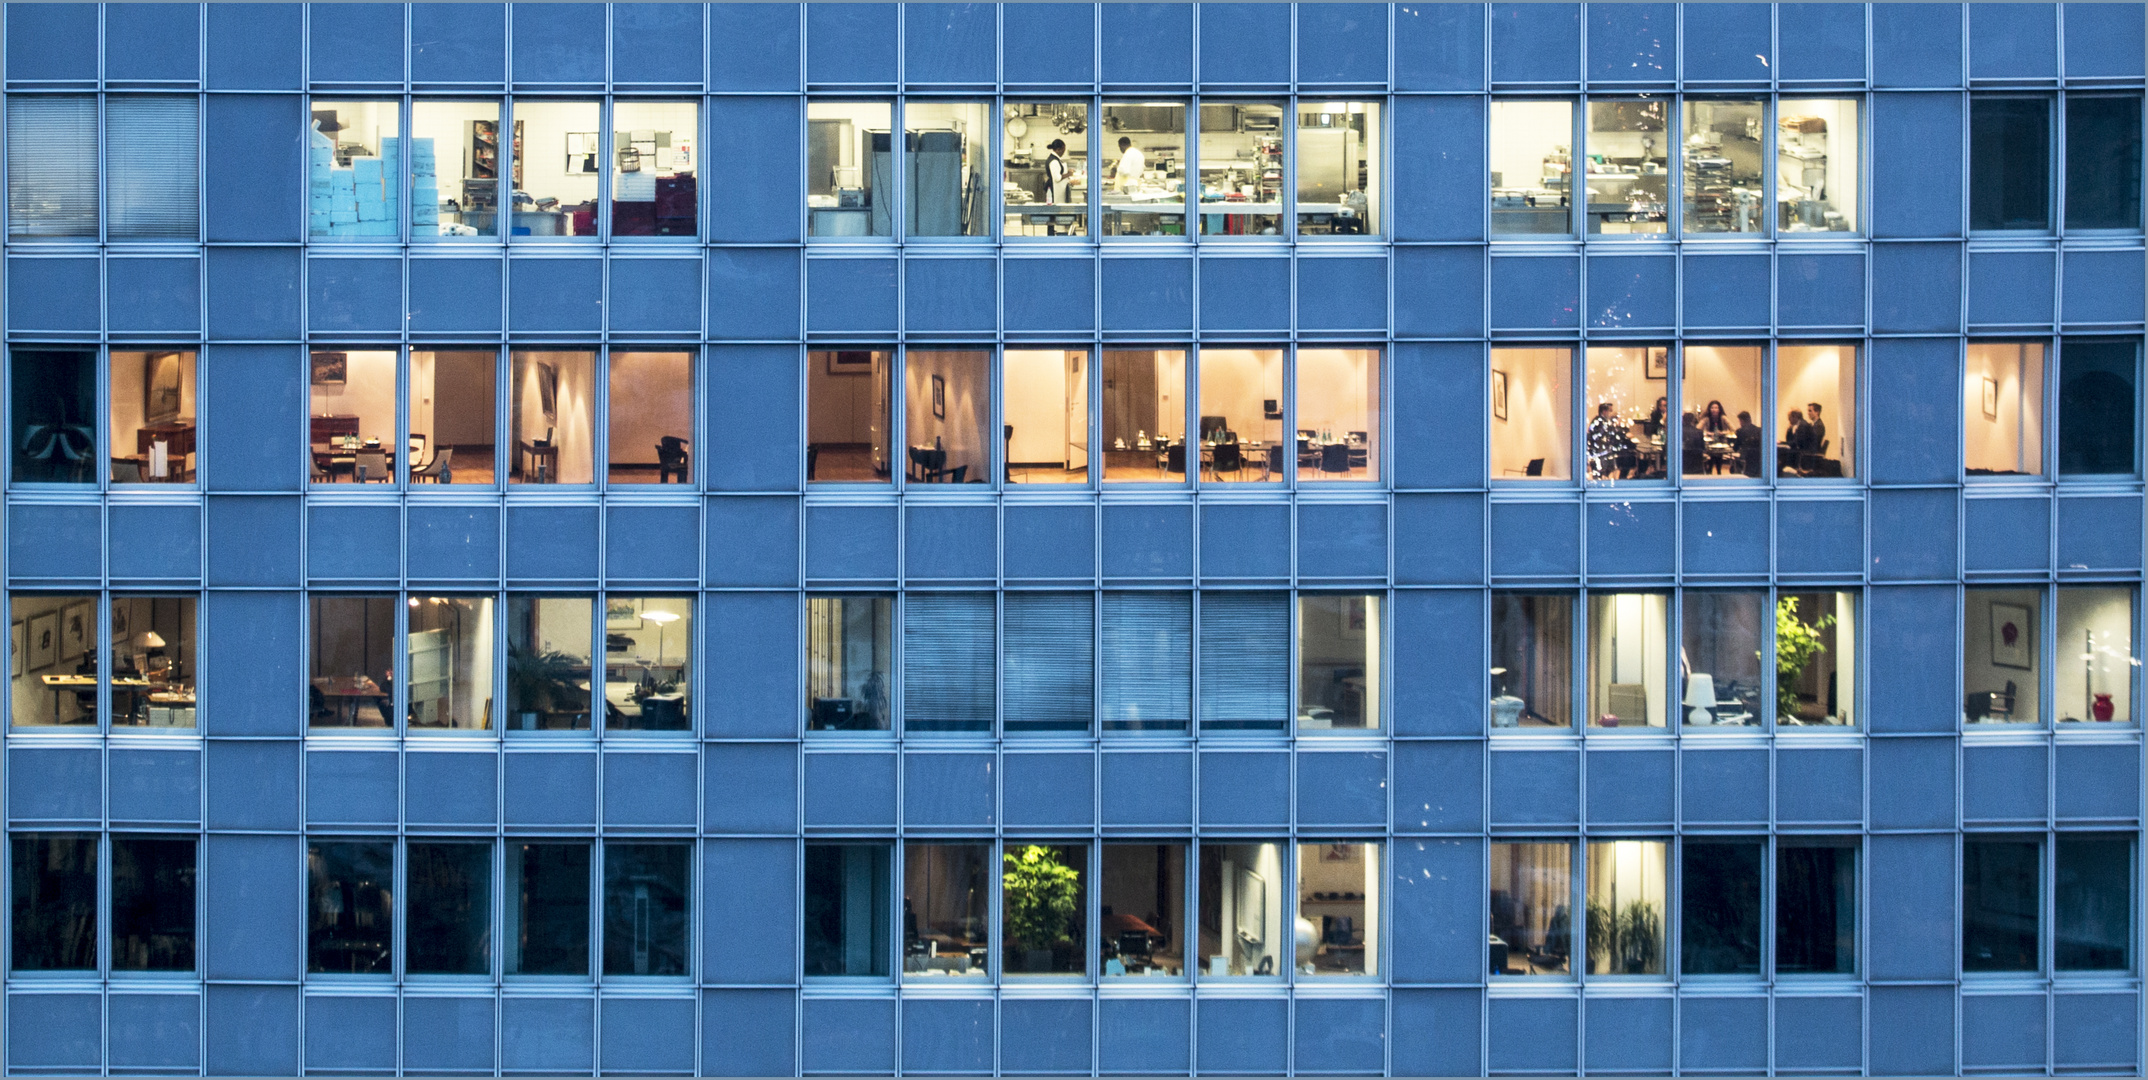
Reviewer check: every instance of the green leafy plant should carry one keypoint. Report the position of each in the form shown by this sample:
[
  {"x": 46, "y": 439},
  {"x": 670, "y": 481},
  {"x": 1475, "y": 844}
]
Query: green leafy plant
[
  {"x": 542, "y": 681},
  {"x": 1797, "y": 644},
  {"x": 1625, "y": 941},
  {"x": 1042, "y": 897}
]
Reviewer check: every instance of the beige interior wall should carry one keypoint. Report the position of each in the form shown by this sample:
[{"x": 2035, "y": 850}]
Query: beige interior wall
[
  {"x": 1539, "y": 419},
  {"x": 652, "y": 396}
]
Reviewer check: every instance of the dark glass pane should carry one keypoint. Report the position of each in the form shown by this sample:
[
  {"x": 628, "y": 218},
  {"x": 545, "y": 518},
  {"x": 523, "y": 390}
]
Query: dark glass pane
[
  {"x": 1532, "y": 660},
  {"x": 1999, "y": 900},
  {"x": 645, "y": 928},
  {"x": 2010, "y": 163},
  {"x": 2094, "y": 903},
  {"x": 350, "y": 920},
  {"x": 2097, "y": 403},
  {"x": 152, "y": 904},
  {"x": 450, "y": 904},
  {"x": 1815, "y": 910},
  {"x": 846, "y": 909},
  {"x": 1720, "y": 900},
  {"x": 55, "y": 426},
  {"x": 548, "y": 913},
  {"x": 55, "y": 895},
  {"x": 2103, "y": 162}
]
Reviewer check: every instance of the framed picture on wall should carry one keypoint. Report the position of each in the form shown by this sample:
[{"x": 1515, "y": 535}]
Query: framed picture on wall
[
  {"x": 2012, "y": 642},
  {"x": 120, "y": 621},
  {"x": 1991, "y": 398},
  {"x": 1499, "y": 394},
  {"x": 622, "y": 614},
  {"x": 1658, "y": 363},
  {"x": 939, "y": 398},
  {"x": 331, "y": 368},
  {"x": 43, "y": 648},
  {"x": 160, "y": 387},
  {"x": 78, "y": 623},
  {"x": 14, "y": 649},
  {"x": 850, "y": 362}
]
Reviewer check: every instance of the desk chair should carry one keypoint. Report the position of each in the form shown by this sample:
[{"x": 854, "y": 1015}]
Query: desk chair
[
  {"x": 671, "y": 459},
  {"x": 1534, "y": 468},
  {"x": 436, "y": 470}
]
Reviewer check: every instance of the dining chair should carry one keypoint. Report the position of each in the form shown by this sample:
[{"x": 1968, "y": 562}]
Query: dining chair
[
  {"x": 671, "y": 459},
  {"x": 126, "y": 471},
  {"x": 1228, "y": 458},
  {"x": 417, "y": 450},
  {"x": 1335, "y": 458},
  {"x": 436, "y": 470},
  {"x": 372, "y": 464}
]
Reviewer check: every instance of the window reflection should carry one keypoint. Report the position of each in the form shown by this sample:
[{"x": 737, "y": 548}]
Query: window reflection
[
  {"x": 646, "y": 927},
  {"x": 1242, "y": 916},
  {"x": 1142, "y": 174},
  {"x": 53, "y": 401},
  {"x": 947, "y": 398},
  {"x": 1339, "y": 902},
  {"x": 53, "y": 885},
  {"x": 1719, "y": 658},
  {"x": 1532, "y": 890},
  {"x": 1720, "y": 386},
  {"x": 2001, "y": 898},
  {"x": 2098, "y": 409},
  {"x": 1532, "y": 660},
  {"x": 1143, "y": 908},
  {"x": 1719, "y": 907},
  {"x": 2095, "y": 664},
  {"x": 552, "y": 417},
  {"x": 153, "y": 903},
  {"x": 548, "y": 662},
  {"x": 1143, "y": 413},
  {"x": 547, "y": 909},
  {"x": 450, "y": 909},
  {"x": 1532, "y": 167},
  {"x": 850, "y": 175},
  {"x": 1532, "y": 414},
  {"x": 946, "y": 905},
  {"x": 1631, "y": 428},
  {"x": 1241, "y": 409},
  {"x": 2093, "y": 903},
  {"x": 1339, "y": 651},
  {"x": 1242, "y": 167},
  {"x": 153, "y": 409},
  {"x": 850, "y": 655},
  {"x": 1629, "y": 179},
  {"x": 1047, "y": 169},
  {"x": 2103, "y": 161},
  {"x": 2002, "y": 651},
  {"x": 351, "y": 660},
  {"x": 2009, "y": 162},
  {"x": 847, "y": 416},
  {"x": 2003, "y": 409},
  {"x": 350, "y": 920},
  {"x": 1339, "y": 168},
  {"x": 1043, "y": 903},
  {"x": 1725, "y": 158},
  {"x": 1626, "y": 907},
  {"x": 1815, "y": 908},
  {"x": 1047, "y": 416},
  {"x": 1817, "y": 386},
  {"x": 1627, "y": 632},
  {"x": 846, "y": 909}
]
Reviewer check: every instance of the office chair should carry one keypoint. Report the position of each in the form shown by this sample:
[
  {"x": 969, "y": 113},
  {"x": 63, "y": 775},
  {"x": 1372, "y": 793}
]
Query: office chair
[{"x": 671, "y": 459}]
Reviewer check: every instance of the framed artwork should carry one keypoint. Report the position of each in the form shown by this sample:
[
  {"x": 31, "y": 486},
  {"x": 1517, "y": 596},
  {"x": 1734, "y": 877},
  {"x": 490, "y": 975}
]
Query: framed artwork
[
  {"x": 331, "y": 368},
  {"x": 120, "y": 619},
  {"x": 1353, "y": 618},
  {"x": 1339, "y": 853},
  {"x": 850, "y": 362},
  {"x": 160, "y": 387},
  {"x": 2012, "y": 642},
  {"x": 939, "y": 398},
  {"x": 548, "y": 393},
  {"x": 1991, "y": 398},
  {"x": 14, "y": 648},
  {"x": 622, "y": 614},
  {"x": 1658, "y": 363},
  {"x": 1499, "y": 394},
  {"x": 43, "y": 648},
  {"x": 78, "y": 624}
]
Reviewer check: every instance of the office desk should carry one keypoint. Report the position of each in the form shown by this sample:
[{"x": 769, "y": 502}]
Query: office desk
[
  {"x": 545, "y": 456},
  {"x": 347, "y": 696}
]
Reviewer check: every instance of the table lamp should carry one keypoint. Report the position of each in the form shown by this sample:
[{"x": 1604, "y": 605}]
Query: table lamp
[{"x": 1700, "y": 697}]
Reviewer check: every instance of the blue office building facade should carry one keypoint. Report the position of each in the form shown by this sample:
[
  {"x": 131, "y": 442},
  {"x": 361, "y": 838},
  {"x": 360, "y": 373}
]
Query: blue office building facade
[{"x": 545, "y": 538}]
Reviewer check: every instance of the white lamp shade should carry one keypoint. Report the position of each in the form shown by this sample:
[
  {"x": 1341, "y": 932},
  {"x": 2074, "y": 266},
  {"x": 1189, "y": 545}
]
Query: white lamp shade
[{"x": 1700, "y": 691}]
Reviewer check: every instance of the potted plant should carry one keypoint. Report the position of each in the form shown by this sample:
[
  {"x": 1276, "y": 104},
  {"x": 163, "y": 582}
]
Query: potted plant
[
  {"x": 1625, "y": 941},
  {"x": 1797, "y": 644},
  {"x": 1042, "y": 896},
  {"x": 539, "y": 683}
]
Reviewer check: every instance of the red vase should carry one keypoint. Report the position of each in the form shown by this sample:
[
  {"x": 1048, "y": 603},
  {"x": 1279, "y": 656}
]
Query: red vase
[{"x": 2102, "y": 707}]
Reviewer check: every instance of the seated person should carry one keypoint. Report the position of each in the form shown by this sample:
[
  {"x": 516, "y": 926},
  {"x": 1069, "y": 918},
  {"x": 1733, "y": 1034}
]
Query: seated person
[
  {"x": 1693, "y": 446},
  {"x": 1748, "y": 445},
  {"x": 1611, "y": 450}
]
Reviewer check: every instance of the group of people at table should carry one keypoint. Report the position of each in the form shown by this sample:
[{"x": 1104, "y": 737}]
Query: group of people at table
[{"x": 1710, "y": 442}]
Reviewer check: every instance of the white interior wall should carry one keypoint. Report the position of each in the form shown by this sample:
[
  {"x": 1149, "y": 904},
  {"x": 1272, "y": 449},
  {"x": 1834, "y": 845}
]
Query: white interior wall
[
  {"x": 1619, "y": 375},
  {"x": 681, "y": 120},
  {"x": 1339, "y": 389},
  {"x": 2095, "y": 651},
  {"x": 574, "y": 430},
  {"x": 1539, "y": 413},
  {"x": 2012, "y": 441},
  {"x": 1729, "y": 374},
  {"x": 1036, "y": 403},
  {"x": 1628, "y": 634},
  {"x": 368, "y": 392},
  {"x": 1841, "y": 141},
  {"x": 1236, "y": 384},
  {"x": 1523, "y": 132},
  {"x": 451, "y": 397},
  {"x": 1826, "y": 374},
  {"x": 447, "y": 124},
  {"x": 1979, "y": 671},
  {"x": 652, "y": 396},
  {"x": 545, "y": 126},
  {"x": 964, "y": 431},
  {"x": 839, "y": 407}
]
